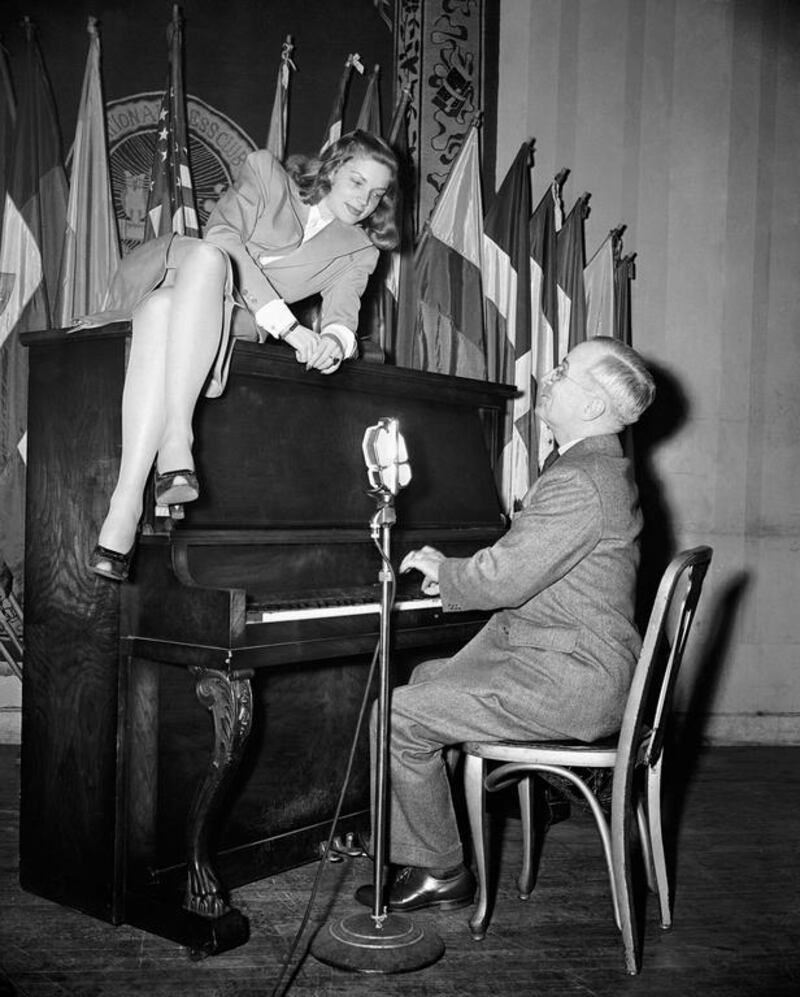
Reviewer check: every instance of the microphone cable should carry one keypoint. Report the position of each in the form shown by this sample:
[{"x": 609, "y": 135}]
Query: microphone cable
[{"x": 276, "y": 990}]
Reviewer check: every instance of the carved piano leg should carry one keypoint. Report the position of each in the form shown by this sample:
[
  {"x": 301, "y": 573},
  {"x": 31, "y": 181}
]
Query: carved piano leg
[{"x": 228, "y": 696}]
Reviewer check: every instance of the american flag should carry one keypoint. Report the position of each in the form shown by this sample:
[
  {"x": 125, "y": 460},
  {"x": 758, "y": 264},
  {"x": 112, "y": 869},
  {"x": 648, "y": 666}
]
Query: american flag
[
  {"x": 333, "y": 130},
  {"x": 171, "y": 205}
]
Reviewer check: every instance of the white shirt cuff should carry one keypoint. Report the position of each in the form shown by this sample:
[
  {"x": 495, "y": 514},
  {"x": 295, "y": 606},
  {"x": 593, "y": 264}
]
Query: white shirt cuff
[
  {"x": 346, "y": 337},
  {"x": 275, "y": 317}
]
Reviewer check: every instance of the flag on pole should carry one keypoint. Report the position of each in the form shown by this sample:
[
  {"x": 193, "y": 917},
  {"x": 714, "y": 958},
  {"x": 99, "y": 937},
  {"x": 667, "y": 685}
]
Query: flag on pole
[
  {"x": 171, "y": 206},
  {"x": 8, "y": 115},
  {"x": 30, "y": 251},
  {"x": 624, "y": 273},
  {"x": 507, "y": 293},
  {"x": 369, "y": 117},
  {"x": 333, "y": 130},
  {"x": 571, "y": 262},
  {"x": 449, "y": 332},
  {"x": 598, "y": 281},
  {"x": 398, "y": 305},
  {"x": 276, "y": 139},
  {"x": 544, "y": 308},
  {"x": 91, "y": 241}
]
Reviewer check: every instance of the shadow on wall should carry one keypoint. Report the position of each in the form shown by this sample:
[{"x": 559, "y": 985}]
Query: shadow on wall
[
  {"x": 687, "y": 732},
  {"x": 664, "y": 418}
]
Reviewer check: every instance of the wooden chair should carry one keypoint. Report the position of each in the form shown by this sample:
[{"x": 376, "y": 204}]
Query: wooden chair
[{"x": 637, "y": 750}]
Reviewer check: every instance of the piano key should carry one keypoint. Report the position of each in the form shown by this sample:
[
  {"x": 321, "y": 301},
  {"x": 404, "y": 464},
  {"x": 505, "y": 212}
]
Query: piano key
[{"x": 357, "y": 609}]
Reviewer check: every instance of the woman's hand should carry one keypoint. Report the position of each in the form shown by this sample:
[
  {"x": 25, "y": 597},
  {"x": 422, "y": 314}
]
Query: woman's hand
[
  {"x": 304, "y": 342},
  {"x": 328, "y": 355}
]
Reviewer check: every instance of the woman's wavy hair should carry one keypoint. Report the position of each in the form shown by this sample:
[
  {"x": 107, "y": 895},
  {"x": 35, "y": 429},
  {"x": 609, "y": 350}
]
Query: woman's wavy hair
[{"x": 314, "y": 175}]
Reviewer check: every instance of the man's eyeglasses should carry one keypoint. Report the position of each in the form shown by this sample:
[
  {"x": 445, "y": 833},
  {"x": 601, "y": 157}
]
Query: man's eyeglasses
[{"x": 561, "y": 373}]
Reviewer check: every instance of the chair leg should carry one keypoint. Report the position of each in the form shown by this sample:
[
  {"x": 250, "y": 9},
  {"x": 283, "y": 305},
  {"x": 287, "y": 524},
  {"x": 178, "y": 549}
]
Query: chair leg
[
  {"x": 621, "y": 851},
  {"x": 657, "y": 843},
  {"x": 475, "y": 794},
  {"x": 647, "y": 851},
  {"x": 527, "y": 791}
]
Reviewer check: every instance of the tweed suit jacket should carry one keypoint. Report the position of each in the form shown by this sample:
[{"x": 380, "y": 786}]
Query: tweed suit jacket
[
  {"x": 260, "y": 217},
  {"x": 562, "y": 582}
]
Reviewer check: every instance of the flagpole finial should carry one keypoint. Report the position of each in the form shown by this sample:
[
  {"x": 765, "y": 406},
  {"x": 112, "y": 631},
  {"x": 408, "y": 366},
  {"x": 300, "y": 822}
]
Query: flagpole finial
[
  {"x": 354, "y": 62},
  {"x": 616, "y": 241}
]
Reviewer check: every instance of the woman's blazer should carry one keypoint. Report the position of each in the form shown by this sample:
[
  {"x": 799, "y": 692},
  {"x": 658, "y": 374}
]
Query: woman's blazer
[{"x": 262, "y": 217}]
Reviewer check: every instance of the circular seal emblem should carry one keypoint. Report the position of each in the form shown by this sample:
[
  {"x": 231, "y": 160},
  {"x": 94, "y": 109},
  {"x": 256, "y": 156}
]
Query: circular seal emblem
[{"x": 217, "y": 148}]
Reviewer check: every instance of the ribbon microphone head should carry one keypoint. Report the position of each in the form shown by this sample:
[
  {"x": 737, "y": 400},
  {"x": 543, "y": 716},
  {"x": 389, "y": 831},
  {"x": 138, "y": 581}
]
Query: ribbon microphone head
[{"x": 386, "y": 457}]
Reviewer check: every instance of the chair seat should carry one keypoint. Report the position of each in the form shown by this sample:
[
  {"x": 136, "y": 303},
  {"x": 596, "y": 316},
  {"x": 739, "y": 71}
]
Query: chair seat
[{"x": 576, "y": 754}]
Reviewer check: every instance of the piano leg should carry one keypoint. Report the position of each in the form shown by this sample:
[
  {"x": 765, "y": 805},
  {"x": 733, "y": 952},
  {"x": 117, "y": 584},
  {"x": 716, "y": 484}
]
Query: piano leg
[{"x": 228, "y": 696}]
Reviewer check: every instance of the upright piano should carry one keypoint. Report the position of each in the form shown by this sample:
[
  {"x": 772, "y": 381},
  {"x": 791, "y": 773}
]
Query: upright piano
[{"x": 187, "y": 731}]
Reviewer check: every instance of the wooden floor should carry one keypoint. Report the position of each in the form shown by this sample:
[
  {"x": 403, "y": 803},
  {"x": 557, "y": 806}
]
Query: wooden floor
[{"x": 737, "y": 913}]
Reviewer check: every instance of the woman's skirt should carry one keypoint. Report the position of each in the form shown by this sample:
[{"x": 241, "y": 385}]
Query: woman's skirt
[{"x": 149, "y": 267}]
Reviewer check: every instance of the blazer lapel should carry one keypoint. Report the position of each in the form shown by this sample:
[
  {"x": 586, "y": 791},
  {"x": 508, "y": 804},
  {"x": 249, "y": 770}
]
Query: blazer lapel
[{"x": 335, "y": 240}]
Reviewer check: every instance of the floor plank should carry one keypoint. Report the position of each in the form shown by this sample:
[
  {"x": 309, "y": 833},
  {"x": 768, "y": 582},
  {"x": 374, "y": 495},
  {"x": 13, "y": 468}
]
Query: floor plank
[{"x": 736, "y": 934}]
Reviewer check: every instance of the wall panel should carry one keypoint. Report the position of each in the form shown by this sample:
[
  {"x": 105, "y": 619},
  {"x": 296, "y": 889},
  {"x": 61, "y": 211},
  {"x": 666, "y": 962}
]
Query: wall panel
[{"x": 682, "y": 117}]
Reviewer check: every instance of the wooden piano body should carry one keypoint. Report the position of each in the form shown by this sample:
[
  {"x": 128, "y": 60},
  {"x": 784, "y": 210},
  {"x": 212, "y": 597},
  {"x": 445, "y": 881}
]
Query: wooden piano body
[{"x": 176, "y": 740}]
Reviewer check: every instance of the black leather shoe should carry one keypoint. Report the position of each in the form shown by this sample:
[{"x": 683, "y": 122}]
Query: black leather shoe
[
  {"x": 110, "y": 563},
  {"x": 416, "y": 889}
]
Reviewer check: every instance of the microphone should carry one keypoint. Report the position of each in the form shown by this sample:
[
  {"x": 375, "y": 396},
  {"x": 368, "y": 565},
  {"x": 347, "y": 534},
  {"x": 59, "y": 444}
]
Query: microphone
[{"x": 386, "y": 457}]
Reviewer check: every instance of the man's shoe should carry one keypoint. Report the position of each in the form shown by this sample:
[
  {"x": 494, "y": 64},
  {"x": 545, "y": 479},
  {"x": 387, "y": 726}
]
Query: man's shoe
[{"x": 416, "y": 889}]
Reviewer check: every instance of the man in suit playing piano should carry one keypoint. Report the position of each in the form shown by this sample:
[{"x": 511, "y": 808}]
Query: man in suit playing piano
[{"x": 556, "y": 658}]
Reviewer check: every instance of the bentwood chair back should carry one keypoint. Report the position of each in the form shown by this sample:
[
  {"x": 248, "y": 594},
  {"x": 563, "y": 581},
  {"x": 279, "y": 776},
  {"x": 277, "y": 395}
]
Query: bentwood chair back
[{"x": 634, "y": 756}]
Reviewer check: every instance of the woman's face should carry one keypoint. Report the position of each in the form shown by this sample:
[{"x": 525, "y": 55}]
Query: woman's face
[{"x": 356, "y": 189}]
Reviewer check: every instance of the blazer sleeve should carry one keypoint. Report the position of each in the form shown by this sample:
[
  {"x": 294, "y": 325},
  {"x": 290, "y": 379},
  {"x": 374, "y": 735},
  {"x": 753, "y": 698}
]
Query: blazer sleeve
[
  {"x": 234, "y": 218},
  {"x": 562, "y": 524},
  {"x": 341, "y": 299}
]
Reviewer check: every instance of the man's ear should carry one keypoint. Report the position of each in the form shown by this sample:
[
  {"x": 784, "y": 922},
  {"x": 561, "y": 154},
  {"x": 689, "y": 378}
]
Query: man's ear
[{"x": 593, "y": 408}]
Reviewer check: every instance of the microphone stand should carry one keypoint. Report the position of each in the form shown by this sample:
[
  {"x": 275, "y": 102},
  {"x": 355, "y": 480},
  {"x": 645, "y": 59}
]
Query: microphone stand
[{"x": 379, "y": 942}]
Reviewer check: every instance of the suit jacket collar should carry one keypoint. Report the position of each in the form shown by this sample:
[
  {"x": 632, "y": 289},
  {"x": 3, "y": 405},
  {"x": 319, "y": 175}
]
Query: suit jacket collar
[
  {"x": 608, "y": 444},
  {"x": 336, "y": 239}
]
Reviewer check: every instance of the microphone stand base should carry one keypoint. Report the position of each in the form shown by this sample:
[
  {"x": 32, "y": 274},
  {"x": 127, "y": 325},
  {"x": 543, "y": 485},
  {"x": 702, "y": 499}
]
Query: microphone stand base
[{"x": 391, "y": 944}]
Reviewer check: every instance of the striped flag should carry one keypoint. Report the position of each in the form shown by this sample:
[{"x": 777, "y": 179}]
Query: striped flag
[
  {"x": 507, "y": 292},
  {"x": 276, "y": 139},
  {"x": 449, "y": 332},
  {"x": 30, "y": 252},
  {"x": 398, "y": 305},
  {"x": 333, "y": 130},
  {"x": 171, "y": 206},
  {"x": 571, "y": 262},
  {"x": 599, "y": 279},
  {"x": 369, "y": 117},
  {"x": 8, "y": 115},
  {"x": 544, "y": 306},
  {"x": 624, "y": 273},
  {"x": 91, "y": 241}
]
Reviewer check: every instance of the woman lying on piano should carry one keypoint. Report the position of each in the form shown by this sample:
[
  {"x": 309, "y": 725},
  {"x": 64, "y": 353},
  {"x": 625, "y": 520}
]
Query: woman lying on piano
[{"x": 276, "y": 237}]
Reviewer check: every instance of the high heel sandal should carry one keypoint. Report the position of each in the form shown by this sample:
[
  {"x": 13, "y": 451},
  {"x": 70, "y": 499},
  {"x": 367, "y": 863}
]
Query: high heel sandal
[
  {"x": 110, "y": 563},
  {"x": 171, "y": 492}
]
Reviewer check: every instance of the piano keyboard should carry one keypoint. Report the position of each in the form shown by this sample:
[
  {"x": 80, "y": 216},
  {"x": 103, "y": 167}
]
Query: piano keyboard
[{"x": 285, "y": 614}]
